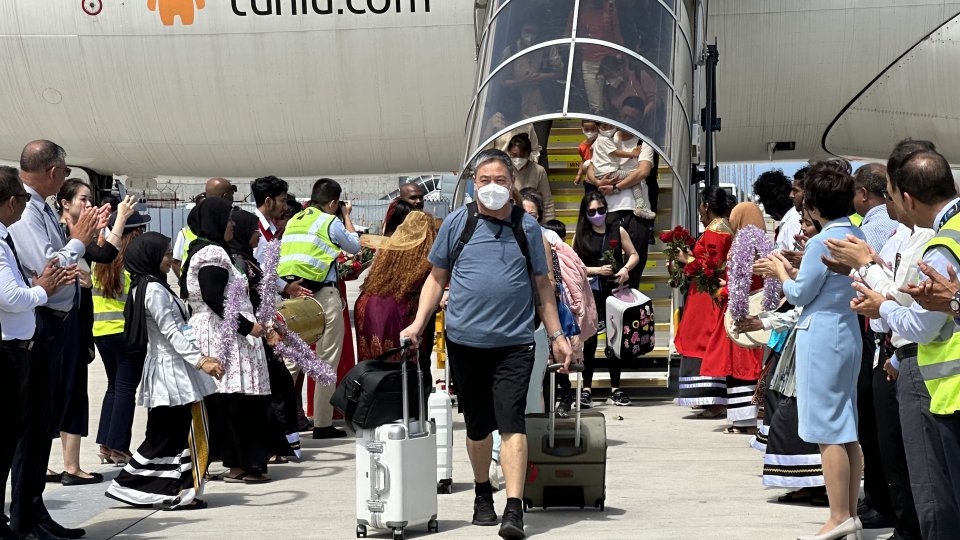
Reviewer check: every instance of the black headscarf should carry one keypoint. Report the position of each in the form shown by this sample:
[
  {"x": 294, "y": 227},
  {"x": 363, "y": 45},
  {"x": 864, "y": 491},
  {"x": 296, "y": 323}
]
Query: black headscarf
[
  {"x": 208, "y": 220},
  {"x": 244, "y": 225},
  {"x": 142, "y": 260}
]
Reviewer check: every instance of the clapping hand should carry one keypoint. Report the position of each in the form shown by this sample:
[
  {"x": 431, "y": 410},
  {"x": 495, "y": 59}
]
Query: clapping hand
[
  {"x": 53, "y": 277},
  {"x": 934, "y": 293},
  {"x": 868, "y": 302},
  {"x": 852, "y": 252},
  {"x": 87, "y": 225}
]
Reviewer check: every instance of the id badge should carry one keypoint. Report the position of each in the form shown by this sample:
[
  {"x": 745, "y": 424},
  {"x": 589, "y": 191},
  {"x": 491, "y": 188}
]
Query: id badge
[
  {"x": 189, "y": 333},
  {"x": 876, "y": 355}
]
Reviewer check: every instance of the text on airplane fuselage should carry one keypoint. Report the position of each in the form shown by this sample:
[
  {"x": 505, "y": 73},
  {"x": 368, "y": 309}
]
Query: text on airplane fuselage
[{"x": 243, "y": 8}]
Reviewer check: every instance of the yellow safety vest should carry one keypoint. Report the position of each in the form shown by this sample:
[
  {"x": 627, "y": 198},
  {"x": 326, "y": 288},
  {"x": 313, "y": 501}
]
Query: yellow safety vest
[
  {"x": 856, "y": 219},
  {"x": 306, "y": 250},
  {"x": 108, "y": 312},
  {"x": 939, "y": 361},
  {"x": 188, "y": 238}
]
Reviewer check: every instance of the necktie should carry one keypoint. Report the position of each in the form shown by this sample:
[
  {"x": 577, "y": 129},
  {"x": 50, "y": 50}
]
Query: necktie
[
  {"x": 63, "y": 242},
  {"x": 9, "y": 240}
]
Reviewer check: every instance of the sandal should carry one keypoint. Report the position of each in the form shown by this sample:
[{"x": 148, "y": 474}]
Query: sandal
[
  {"x": 246, "y": 477},
  {"x": 712, "y": 412},
  {"x": 733, "y": 430},
  {"x": 278, "y": 460}
]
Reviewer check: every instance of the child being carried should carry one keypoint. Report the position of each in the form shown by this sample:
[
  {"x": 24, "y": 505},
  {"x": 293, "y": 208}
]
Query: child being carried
[{"x": 617, "y": 151}]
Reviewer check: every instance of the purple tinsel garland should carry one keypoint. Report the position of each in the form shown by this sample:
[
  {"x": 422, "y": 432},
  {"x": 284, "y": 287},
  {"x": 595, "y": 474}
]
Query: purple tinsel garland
[
  {"x": 749, "y": 244},
  {"x": 291, "y": 347},
  {"x": 227, "y": 331}
]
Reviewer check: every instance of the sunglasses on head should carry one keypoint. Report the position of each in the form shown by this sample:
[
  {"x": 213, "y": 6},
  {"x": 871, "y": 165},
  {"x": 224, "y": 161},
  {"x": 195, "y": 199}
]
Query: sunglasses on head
[{"x": 594, "y": 211}]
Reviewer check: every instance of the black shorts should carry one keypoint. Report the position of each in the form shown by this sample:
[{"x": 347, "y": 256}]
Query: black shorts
[{"x": 492, "y": 387}]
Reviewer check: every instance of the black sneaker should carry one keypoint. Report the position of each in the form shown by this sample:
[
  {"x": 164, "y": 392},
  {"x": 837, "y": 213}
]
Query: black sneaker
[
  {"x": 511, "y": 528},
  {"x": 328, "y": 432},
  {"x": 483, "y": 513},
  {"x": 619, "y": 398},
  {"x": 586, "y": 400}
]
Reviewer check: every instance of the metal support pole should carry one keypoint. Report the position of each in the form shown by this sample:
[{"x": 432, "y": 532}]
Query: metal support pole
[{"x": 710, "y": 121}]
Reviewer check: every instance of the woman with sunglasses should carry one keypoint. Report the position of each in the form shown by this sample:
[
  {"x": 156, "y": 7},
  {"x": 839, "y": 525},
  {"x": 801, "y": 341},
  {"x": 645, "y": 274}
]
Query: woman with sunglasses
[{"x": 595, "y": 238}]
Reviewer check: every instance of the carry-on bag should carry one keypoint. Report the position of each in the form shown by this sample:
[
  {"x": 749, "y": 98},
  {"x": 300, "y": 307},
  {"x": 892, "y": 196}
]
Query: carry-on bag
[
  {"x": 396, "y": 469},
  {"x": 566, "y": 457},
  {"x": 630, "y": 326}
]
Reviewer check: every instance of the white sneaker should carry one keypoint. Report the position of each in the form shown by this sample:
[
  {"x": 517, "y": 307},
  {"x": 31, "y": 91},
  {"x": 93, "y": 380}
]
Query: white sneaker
[{"x": 495, "y": 475}]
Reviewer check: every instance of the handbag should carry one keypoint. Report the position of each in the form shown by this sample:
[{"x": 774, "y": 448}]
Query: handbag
[
  {"x": 568, "y": 322},
  {"x": 371, "y": 393}
]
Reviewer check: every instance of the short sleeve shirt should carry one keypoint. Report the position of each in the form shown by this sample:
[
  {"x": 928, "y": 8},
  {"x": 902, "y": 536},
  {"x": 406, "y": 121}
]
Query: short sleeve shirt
[{"x": 491, "y": 295}]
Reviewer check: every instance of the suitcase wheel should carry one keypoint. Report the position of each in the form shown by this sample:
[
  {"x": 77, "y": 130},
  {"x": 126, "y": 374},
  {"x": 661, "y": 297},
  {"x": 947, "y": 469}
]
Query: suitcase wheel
[
  {"x": 608, "y": 351},
  {"x": 599, "y": 504},
  {"x": 444, "y": 487},
  {"x": 433, "y": 526},
  {"x": 398, "y": 534},
  {"x": 361, "y": 531}
]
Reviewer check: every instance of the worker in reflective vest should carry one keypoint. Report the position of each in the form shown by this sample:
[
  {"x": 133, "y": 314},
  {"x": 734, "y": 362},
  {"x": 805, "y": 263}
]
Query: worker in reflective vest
[{"x": 309, "y": 248}]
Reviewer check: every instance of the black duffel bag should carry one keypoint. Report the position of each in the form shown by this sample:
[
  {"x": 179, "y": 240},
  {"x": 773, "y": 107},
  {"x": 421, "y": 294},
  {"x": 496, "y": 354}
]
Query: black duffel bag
[{"x": 370, "y": 393}]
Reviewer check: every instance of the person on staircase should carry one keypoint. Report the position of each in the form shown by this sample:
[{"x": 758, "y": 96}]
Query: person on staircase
[{"x": 530, "y": 174}]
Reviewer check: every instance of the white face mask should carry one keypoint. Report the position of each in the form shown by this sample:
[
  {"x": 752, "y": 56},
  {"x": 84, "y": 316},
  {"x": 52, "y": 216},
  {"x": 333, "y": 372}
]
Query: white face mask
[
  {"x": 591, "y": 135},
  {"x": 493, "y": 196},
  {"x": 519, "y": 162},
  {"x": 615, "y": 81},
  {"x": 608, "y": 132},
  {"x": 527, "y": 38}
]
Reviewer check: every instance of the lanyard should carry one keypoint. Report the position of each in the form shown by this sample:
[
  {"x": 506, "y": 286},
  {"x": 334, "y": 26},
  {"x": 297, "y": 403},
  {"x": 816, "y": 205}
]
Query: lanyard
[{"x": 950, "y": 213}]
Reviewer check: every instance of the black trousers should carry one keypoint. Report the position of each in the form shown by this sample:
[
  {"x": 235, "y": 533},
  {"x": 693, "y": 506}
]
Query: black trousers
[
  {"x": 638, "y": 229},
  {"x": 14, "y": 392},
  {"x": 893, "y": 458},
  {"x": 876, "y": 493},
  {"x": 33, "y": 446},
  {"x": 124, "y": 367}
]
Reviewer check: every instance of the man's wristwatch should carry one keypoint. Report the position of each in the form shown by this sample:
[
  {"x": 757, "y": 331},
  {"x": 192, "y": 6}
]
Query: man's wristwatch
[
  {"x": 556, "y": 335},
  {"x": 862, "y": 271},
  {"x": 955, "y": 303}
]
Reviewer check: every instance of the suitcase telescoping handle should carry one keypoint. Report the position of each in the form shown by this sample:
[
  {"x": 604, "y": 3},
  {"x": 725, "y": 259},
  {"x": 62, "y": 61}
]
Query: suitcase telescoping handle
[
  {"x": 553, "y": 369},
  {"x": 405, "y": 344}
]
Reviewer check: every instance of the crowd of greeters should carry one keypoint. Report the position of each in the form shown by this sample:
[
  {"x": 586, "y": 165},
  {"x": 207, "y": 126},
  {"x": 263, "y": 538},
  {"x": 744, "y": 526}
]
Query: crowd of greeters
[{"x": 860, "y": 374}]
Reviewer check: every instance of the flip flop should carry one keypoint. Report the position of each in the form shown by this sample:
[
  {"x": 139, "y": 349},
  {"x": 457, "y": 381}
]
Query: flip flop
[
  {"x": 278, "y": 460},
  {"x": 246, "y": 478}
]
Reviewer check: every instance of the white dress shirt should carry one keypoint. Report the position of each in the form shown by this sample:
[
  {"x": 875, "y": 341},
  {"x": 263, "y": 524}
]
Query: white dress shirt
[
  {"x": 887, "y": 281},
  {"x": 178, "y": 246},
  {"x": 790, "y": 226},
  {"x": 265, "y": 225},
  {"x": 39, "y": 239},
  {"x": 17, "y": 299},
  {"x": 914, "y": 323}
]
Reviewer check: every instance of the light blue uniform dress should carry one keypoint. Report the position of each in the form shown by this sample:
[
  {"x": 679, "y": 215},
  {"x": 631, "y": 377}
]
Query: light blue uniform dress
[{"x": 829, "y": 343}]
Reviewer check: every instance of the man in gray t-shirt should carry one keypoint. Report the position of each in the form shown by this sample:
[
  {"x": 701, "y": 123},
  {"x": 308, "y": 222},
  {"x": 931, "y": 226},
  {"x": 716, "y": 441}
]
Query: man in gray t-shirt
[{"x": 489, "y": 324}]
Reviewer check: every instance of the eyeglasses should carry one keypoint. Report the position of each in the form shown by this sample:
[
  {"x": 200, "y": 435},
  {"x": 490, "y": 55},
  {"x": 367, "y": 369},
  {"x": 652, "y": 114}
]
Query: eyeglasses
[
  {"x": 886, "y": 195},
  {"x": 66, "y": 170},
  {"x": 594, "y": 211},
  {"x": 22, "y": 196}
]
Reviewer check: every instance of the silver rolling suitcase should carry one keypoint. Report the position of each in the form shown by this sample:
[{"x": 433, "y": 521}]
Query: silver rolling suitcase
[{"x": 397, "y": 472}]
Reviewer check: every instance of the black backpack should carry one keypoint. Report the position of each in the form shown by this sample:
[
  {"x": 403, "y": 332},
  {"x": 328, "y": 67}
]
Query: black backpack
[{"x": 371, "y": 393}]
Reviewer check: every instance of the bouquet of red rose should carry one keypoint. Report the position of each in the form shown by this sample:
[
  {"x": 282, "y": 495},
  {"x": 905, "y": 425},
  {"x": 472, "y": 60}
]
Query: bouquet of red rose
[
  {"x": 706, "y": 275},
  {"x": 350, "y": 267},
  {"x": 609, "y": 256},
  {"x": 677, "y": 240}
]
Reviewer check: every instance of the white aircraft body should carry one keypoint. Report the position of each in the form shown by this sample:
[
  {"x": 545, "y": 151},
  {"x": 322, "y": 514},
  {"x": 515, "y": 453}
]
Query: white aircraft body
[{"x": 306, "y": 87}]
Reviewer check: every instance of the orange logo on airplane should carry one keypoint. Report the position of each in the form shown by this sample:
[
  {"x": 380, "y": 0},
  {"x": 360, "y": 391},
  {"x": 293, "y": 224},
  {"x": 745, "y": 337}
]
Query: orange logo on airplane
[{"x": 171, "y": 9}]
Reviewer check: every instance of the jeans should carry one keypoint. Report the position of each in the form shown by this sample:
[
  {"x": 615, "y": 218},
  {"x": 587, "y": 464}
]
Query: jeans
[{"x": 124, "y": 367}]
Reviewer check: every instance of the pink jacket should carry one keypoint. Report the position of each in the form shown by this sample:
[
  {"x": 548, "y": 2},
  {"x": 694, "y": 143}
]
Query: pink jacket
[{"x": 577, "y": 285}]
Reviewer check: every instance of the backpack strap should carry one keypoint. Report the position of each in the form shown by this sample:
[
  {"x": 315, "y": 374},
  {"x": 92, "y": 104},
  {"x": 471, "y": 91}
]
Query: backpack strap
[
  {"x": 516, "y": 224},
  {"x": 473, "y": 216}
]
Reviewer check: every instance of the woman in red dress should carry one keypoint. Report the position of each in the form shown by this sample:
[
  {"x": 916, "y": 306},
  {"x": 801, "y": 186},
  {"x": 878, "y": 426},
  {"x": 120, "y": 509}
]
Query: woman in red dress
[
  {"x": 725, "y": 359},
  {"x": 701, "y": 312}
]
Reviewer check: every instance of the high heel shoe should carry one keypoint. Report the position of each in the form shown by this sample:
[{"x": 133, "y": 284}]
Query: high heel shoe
[
  {"x": 846, "y": 530},
  {"x": 120, "y": 459},
  {"x": 105, "y": 456}
]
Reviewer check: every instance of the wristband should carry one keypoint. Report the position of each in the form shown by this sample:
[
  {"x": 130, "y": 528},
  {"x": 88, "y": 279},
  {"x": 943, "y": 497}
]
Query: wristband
[{"x": 556, "y": 335}]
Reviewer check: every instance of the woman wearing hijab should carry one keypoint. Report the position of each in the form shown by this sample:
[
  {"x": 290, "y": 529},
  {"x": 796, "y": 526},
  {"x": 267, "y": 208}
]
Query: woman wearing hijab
[
  {"x": 239, "y": 433},
  {"x": 282, "y": 413},
  {"x": 176, "y": 378},
  {"x": 725, "y": 359}
]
